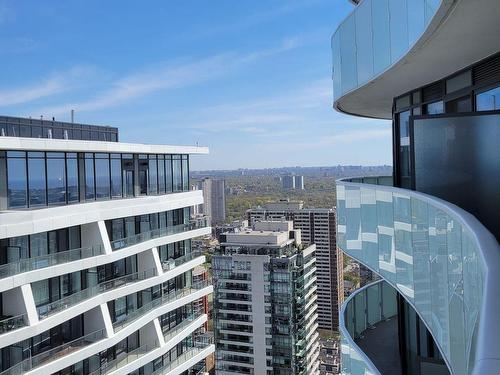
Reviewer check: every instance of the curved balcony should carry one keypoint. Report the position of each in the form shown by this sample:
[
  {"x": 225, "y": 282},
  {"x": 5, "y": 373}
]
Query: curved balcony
[
  {"x": 438, "y": 257},
  {"x": 386, "y": 48},
  {"x": 368, "y": 319}
]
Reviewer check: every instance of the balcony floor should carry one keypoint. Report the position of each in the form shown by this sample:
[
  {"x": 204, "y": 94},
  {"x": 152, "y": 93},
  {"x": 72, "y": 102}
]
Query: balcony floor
[{"x": 381, "y": 346}]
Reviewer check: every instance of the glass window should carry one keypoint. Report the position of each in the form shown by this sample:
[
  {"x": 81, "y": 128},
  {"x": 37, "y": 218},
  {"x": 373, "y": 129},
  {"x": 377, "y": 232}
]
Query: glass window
[
  {"x": 185, "y": 172},
  {"x": 404, "y": 149},
  {"x": 89, "y": 177},
  {"x": 402, "y": 102},
  {"x": 41, "y": 292},
  {"x": 161, "y": 174},
  {"x": 153, "y": 175},
  {"x": 435, "y": 108},
  {"x": 36, "y": 179},
  {"x": 458, "y": 82},
  {"x": 73, "y": 191},
  {"x": 488, "y": 100},
  {"x": 102, "y": 176},
  {"x": 116, "y": 177},
  {"x": 177, "y": 172},
  {"x": 128, "y": 175},
  {"x": 168, "y": 173},
  {"x": 17, "y": 179},
  {"x": 459, "y": 105},
  {"x": 56, "y": 178},
  {"x": 38, "y": 244}
]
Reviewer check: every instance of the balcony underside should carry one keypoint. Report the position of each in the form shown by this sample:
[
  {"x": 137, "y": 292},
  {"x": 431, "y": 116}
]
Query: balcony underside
[{"x": 461, "y": 33}]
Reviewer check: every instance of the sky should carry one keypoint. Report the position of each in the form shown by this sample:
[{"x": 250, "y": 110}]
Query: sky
[{"x": 249, "y": 79}]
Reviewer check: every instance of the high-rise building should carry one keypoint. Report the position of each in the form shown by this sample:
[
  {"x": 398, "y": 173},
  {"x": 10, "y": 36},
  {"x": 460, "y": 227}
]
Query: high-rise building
[
  {"x": 214, "y": 199},
  {"x": 292, "y": 182},
  {"x": 299, "y": 182},
  {"x": 317, "y": 226},
  {"x": 96, "y": 266},
  {"x": 265, "y": 302},
  {"x": 430, "y": 232},
  {"x": 288, "y": 182}
]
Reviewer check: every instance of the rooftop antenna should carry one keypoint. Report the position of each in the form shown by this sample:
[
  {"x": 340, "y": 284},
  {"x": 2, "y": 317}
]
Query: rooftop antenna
[{"x": 72, "y": 116}]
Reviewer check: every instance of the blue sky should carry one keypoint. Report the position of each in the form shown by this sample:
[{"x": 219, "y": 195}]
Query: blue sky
[{"x": 249, "y": 79}]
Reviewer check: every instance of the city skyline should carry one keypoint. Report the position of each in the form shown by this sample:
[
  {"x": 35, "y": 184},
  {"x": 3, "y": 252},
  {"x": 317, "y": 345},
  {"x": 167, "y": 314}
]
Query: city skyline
[{"x": 217, "y": 75}]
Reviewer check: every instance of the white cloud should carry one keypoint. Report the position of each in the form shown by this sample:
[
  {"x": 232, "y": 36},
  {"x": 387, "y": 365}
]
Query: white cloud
[
  {"x": 53, "y": 85},
  {"x": 170, "y": 77}
]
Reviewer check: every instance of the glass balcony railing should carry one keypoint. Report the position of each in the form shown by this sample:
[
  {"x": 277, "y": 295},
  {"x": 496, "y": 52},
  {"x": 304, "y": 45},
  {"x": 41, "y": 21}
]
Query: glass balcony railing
[
  {"x": 53, "y": 354},
  {"x": 43, "y": 261},
  {"x": 169, "y": 334},
  {"x": 160, "y": 232},
  {"x": 166, "y": 298},
  {"x": 170, "y": 264},
  {"x": 438, "y": 257},
  {"x": 126, "y": 359},
  {"x": 147, "y": 348},
  {"x": 62, "y": 304},
  {"x": 13, "y": 322},
  {"x": 199, "y": 345},
  {"x": 376, "y": 35},
  {"x": 364, "y": 309}
]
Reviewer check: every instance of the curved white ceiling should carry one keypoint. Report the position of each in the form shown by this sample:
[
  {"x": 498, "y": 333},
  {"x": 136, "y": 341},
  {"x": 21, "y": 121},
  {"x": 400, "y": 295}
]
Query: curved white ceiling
[{"x": 467, "y": 33}]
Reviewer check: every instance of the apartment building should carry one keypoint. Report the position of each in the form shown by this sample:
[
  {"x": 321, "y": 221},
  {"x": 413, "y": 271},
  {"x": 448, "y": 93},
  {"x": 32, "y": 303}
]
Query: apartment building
[
  {"x": 432, "y": 67},
  {"x": 265, "y": 302},
  {"x": 96, "y": 266},
  {"x": 317, "y": 226},
  {"x": 214, "y": 200}
]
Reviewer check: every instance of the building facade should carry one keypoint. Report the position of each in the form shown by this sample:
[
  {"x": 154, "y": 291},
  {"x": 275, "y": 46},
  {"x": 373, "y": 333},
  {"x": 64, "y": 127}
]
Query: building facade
[
  {"x": 96, "y": 265},
  {"x": 299, "y": 182},
  {"x": 432, "y": 67},
  {"x": 214, "y": 200},
  {"x": 265, "y": 302},
  {"x": 317, "y": 226}
]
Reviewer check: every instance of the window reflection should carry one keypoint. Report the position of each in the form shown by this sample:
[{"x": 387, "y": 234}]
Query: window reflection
[
  {"x": 435, "y": 108},
  {"x": 488, "y": 100},
  {"x": 36, "y": 178},
  {"x": 54, "y": 178}
]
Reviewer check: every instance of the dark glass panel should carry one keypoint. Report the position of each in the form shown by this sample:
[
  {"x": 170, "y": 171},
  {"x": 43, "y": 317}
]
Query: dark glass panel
[
  {"x": 116, "y": 178},
  {"x": 177, "y": 172},
  {"x": 89, "y": 178},
  {"x": 36, "y": 181},
  {"x": 161, "y": 176},
  {"x": 153, "y": 177},
  {"x": 488, "y": 100},
  {"x": 185, "y": 174},
  {"x": 56, "y": 180},
  {"x": 168, "y": 174},
  {"x": 72, "y": 180},
  {"x": 16, "y": 181},
  {"x": 102, "y": 176}
]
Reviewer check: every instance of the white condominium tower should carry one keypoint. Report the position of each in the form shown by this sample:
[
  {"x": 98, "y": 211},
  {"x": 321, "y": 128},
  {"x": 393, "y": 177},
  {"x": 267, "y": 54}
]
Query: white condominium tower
[
  {"x": 265, "y": 302},
  {"x": 317, "y": 226},
  {"x": 95, "y": 254}
]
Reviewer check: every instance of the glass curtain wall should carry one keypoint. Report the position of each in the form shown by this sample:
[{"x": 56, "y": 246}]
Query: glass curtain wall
[{"x": 37, "y": 179}]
